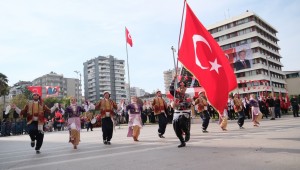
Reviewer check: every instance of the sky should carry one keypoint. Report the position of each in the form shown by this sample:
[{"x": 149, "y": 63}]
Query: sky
[{"x": 37, "y": 37}]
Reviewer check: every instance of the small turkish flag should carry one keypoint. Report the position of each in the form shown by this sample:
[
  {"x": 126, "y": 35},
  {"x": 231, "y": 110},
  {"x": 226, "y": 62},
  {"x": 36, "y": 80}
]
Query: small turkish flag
[
  {"x": 128, "y": 37},
  {"x": 202, "y": 56}
]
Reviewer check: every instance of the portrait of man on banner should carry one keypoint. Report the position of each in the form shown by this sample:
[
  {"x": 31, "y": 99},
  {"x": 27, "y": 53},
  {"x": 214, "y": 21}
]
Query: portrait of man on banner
[{"x": 243, "y": 59}]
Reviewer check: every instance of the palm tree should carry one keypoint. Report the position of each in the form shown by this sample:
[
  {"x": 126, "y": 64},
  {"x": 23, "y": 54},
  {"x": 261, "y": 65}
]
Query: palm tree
[{"x": 4, "y": 89}]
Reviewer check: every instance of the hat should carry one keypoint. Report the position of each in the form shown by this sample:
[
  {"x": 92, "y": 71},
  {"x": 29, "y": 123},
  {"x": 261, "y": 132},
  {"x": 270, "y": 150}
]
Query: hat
[
  {"x": 158, "y": 91},
  {"x": 234, "y": 94},
  {"x": 35, "y": 93},
  {"x": 106, "y": 92},
  {"x": 200, "y": 92}
]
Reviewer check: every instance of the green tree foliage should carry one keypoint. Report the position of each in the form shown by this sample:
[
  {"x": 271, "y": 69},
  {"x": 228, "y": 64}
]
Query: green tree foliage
[
  {"x": 50, "y": 101},
  {"x": 4, "y": 89},
  {"x": 19, "y": 100}
]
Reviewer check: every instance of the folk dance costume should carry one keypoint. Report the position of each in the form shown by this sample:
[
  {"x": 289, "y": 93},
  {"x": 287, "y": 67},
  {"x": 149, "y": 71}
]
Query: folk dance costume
[
  {"x": 238, "y": 109},
  {"x": 223, "y": 119},
  {"x": 182, "y": 112},
  {"x": 135, "y": 120},
  {"x": 74, "y": 124},
  {"x": 160, "y": 109},
  {"x": 34, "y": 111},
  {"x": 256, "y": 113},
  {"x": 107, "y": 107},
  {"x": 201, "y": 102}
]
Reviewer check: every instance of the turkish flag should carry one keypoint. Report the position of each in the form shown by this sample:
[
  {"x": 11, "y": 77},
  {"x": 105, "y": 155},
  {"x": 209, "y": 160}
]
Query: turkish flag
[
  {"x": 128, "y": 37},
  {"x": 202, "y": 56},
  {"x": 35, "y": 89}
]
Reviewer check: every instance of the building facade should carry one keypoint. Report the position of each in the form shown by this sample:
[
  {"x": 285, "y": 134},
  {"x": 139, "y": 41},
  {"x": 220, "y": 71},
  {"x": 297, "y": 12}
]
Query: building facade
[
  {"x": 293, "y": 81},
  {"x": 104, "y": 74},
  {"x": 67, "y": 86},
  {"x": 250, "y": 44}
]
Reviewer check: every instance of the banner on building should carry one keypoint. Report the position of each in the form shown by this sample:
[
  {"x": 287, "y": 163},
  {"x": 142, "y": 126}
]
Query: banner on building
[
  {"x": 52, "y": 91},
  {"x": 35, "y": 89}
]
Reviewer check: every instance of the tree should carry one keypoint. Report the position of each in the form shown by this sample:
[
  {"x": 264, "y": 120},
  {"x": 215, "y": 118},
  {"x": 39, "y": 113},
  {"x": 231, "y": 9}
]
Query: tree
[
  {"x": 20, "y": 100},
  {"x": 4, "y": 88}
]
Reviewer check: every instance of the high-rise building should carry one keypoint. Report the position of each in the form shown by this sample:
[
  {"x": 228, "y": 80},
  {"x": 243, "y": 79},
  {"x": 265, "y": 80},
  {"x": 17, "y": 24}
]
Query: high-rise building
[
  {"x": 251, "y": 46},
  {"x": 104, "y": 74},
  {"x": 168, "y": 77}
]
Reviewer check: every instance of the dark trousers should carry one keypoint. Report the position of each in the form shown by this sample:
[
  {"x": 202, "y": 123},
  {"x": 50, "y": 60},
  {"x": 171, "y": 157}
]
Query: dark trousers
[
  {"x": 295, "y": 112},
  {"x": 89, "y": 125},
  {"x": 241, "y": 118},
  {"x": 35, "y": 134},
  {"x": 107, "y": 128},
  {"x": 277, "y": 112},
  {"x": 162, "y": 123},
  {"x": 181, "y": 125},
  {"x": 205, "y": 117}
]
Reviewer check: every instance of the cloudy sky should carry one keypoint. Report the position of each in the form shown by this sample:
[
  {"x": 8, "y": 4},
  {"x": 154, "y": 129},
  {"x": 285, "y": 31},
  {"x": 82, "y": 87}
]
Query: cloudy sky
[{"x": 37, "y": 37}]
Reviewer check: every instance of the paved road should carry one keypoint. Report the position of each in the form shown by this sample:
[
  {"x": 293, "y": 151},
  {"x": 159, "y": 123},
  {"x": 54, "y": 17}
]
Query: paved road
[{"x": 274, "y": 145}]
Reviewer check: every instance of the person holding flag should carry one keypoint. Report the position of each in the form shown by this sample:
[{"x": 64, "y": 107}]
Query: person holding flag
[{"x": 181, "y": 104}]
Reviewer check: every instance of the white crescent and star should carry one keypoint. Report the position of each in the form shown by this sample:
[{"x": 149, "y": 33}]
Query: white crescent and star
[
  {"x": 129, "y": 36},
  {"x": 214, "y": 65}
]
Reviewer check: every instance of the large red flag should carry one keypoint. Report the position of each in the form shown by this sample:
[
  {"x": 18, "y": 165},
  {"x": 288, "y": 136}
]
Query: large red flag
[
  {"x": 35, "y": 89},
  {"x": 203, "y": 57},
  {"x": 128, "y": 37}
]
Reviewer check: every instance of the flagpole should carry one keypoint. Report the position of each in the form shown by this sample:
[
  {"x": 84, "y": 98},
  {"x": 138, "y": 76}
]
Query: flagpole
[
  {"x": 180, "y": 33},
  {"x": 127, "y": 67}
]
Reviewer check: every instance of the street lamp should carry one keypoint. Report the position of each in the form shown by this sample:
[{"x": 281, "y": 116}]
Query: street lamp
[
  {"x": 78, "y": 73},
  {"x": 270, "y": 77}
]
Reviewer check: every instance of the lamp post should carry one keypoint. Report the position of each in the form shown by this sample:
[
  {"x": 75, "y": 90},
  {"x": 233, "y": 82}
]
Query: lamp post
[
  {"x": 78, "y": 73},
  {"x": 270, "y": 77}
]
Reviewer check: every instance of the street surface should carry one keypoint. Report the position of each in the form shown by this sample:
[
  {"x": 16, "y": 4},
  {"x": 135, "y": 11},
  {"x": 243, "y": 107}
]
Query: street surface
[{"x": 275, "y": 145}]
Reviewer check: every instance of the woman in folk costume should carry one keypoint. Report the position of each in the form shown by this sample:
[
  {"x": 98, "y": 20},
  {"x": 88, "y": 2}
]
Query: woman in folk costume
[
  {"x": 256, "y": 113},
  {"x": 74, "y": 125},
  {"x": 223, "y": 119},
  {"x": 34, "y": 111},
  {"x": 182, "y": 111},
  {"x": 135, "y": 121},
  {"x": 107, "y": 107},
  {"x": 201, "y": 102}
]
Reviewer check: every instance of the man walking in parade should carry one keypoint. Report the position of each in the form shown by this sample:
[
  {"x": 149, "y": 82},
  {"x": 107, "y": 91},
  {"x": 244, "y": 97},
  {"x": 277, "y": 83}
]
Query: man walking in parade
[
  {"x": 34, "y": 111},
  {"x": 160, "y": 109},
  {"x": 238, "y": 109},
  {"x": 201, "y": 102},
  {"x": 107, "y": 107},
  {"x": 182, "y": 112}
]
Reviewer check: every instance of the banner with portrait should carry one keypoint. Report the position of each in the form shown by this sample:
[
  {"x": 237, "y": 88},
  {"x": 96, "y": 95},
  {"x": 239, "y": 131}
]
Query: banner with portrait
[
  {"x": 243, "y": 57},
  {"x": 52, "y": 91}
]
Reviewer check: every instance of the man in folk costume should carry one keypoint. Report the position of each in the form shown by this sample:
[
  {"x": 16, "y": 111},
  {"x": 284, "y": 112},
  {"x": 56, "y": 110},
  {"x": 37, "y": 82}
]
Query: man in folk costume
[
  {"x": 160, "y": 108},
  {"x": 201, "y": 102},
  {"x": 34, "y": 111},
  {"x": 238, "y": 109},
  {"x": 135, "y": 120},
  {"x": 88, "y": 116},
  {"x": 182, "y": 111},
  {"x": 107, "y": 107},
  {"x": 74, "y": 124}
]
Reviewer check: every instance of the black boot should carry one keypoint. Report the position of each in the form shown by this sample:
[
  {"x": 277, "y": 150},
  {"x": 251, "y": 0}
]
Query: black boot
[
  {"x": 187, "y": 137},
  {"x": 181, "y": 145}
]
